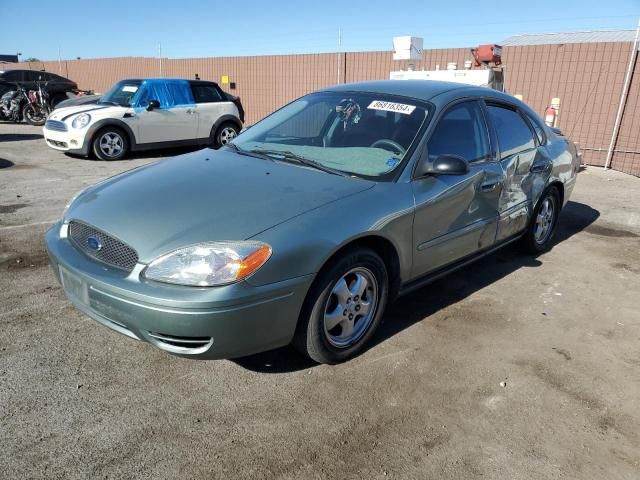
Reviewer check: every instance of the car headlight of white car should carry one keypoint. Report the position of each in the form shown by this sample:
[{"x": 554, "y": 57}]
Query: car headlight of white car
[
  {"x": 81, "y": 120},
  {"x": 209, "y": 264}
]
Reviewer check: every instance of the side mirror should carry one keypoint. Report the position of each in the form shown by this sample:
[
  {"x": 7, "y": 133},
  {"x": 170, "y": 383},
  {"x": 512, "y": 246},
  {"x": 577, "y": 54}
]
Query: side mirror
[
  {"x": 450, "y": 165},
  {"x": 446, "y": 164},
  {"x": 153, "y": 104}
]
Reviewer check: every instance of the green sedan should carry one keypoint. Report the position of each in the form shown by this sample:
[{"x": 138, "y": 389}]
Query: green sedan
[{"x": 304, "y": 228}]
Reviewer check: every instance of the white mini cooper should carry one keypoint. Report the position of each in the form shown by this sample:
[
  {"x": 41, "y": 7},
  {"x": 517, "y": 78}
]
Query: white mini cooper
[{"x": 146, "y": 114}]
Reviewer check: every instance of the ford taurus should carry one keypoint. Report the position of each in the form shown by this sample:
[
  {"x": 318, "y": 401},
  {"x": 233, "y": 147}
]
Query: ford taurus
[{"x": 305, "y": 226}]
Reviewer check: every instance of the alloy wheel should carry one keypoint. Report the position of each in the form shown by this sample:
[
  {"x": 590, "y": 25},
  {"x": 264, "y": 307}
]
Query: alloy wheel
[
  {"x": 351, "y": 307},
  {"x": 544, "y": 221},
  {"x": 111, "y": 144}
]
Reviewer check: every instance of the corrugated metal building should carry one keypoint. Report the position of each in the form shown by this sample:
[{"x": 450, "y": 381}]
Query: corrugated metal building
[{"x": 586, "y": 70}]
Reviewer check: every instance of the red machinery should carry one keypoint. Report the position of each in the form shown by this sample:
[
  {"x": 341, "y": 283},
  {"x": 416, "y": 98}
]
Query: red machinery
[{"x": 490, "y": 55}]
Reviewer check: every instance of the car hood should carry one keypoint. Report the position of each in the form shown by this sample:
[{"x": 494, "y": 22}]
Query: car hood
[
  {"x": 65, "y": 113},
  {"x": 205, "y": 196}
]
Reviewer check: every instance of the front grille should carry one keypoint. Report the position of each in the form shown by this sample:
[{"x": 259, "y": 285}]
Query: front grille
[
  {"x": 106, "y": 249},
  {"x": 56, "y": 125}
]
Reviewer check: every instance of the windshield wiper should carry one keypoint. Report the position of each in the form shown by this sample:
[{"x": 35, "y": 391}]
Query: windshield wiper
[
  {"x": 286, "y": 155},
  {"x": 248, "y": 153},
  {"x": 103, "y": 102}
]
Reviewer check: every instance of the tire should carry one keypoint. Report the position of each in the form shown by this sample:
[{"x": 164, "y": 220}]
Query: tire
[
  {"x": 327, "y": 332},
  {"x": 110, "y": 143},
  {"x": 539, "y": 234},
  {"x": 224, "y": 134},
  {"x": 36, "y": 118}
]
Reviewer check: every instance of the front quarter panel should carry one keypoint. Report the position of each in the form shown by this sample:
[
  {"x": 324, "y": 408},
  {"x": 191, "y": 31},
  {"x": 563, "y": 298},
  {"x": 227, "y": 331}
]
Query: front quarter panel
[{"x": 303, "y": 244}]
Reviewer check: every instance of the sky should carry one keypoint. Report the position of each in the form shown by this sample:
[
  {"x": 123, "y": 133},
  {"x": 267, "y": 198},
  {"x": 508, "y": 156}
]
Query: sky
[{"x": 189, "y": 28}]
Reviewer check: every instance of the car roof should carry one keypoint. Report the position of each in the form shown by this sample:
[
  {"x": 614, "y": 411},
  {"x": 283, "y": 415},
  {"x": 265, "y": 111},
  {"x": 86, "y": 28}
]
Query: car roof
[
  {"x": 420, "y": 89},
  {"x": 162, "y": 79}
]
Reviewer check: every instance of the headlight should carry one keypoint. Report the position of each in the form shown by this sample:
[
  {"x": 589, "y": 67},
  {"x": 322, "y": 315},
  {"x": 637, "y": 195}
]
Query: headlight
[
  {"x": 81, "y": 120},
  {"x": 209, "y": 264}
]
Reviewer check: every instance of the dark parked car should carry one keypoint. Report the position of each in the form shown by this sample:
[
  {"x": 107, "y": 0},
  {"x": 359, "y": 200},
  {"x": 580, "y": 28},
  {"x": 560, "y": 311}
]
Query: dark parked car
[
  {"x": 57, "y": 86},
  {"x": 306, "y": 225}
]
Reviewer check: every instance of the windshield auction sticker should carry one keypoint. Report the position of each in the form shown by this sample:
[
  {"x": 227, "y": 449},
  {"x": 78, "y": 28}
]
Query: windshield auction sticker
[{"x": 392, "y": 107}]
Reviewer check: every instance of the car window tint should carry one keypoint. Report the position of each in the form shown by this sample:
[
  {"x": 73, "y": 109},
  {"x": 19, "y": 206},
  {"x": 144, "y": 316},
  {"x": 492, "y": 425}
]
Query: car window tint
[
  {"x": 538, "y": 129},
  {"x": 33, "y": 76},
  {"x": 205, "y": 93},
  {"x": 461, "y": 131},
  {"x": 514, "y": 136},
  {"x": 11, "y": 76}
]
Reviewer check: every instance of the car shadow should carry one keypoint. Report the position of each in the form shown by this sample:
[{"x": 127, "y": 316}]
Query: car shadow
[
  {"x": 417, "y": 306},
  {"x": 17, "y": 137}
]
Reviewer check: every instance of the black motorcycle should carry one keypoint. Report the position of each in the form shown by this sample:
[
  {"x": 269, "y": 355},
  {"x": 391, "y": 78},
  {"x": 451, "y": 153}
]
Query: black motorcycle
[{"x": 12, "y": 104}]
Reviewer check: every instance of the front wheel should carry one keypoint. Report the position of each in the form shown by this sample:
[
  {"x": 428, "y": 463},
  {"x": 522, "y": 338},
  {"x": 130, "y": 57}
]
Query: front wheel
[
  {"x": 539, "y": 235},
  {"x": 344, "y": 307},
  {"x": 34, "y": 115},
  {"x": 110, "y": 143}
]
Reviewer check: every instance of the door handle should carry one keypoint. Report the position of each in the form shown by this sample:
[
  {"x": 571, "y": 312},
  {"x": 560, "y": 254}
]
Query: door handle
[
  {"x": 539, "y": 167},
  {"x": 489, "y": 186}
]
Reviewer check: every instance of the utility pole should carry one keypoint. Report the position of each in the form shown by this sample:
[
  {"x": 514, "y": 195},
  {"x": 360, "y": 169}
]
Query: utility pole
[
  {"x": 59, "y": 61},
  {"x": 623, "y": 97},
  {"x": 160, "y": 55},
  {"x": 339, "y": 53}
]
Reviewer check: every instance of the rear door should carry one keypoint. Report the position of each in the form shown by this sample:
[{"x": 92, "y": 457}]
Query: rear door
[
  {"x": 456, "y": 215},
  {"x": 523, "y": 161}
]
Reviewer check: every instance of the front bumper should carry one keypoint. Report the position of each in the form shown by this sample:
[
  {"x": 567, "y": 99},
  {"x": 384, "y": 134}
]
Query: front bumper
[
  {"x": 209, "y": 323},
  {"x": 72, "y": 141}
]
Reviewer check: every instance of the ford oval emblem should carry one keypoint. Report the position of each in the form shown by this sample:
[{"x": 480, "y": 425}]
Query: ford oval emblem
[{"x": 94, "y": 244}]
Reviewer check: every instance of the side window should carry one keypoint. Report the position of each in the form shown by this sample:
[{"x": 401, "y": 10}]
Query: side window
[
  {"x": 32, "y": 76},
  {"x": 205, "y": 94},
  {"x": 514, "y": 135},
  {"x": 461, "y": 131},
  {"x": 12, "y": 76},
  {"x": 538, "y": 129}
]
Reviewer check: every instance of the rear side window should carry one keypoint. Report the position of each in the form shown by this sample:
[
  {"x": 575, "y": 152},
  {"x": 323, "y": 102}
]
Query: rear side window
[
  {"x": 205, "y": 94},
  {"x": 514, "y": 135},
  {"x": 537, "y": 128},
  {"x": 461, "y": 131}
]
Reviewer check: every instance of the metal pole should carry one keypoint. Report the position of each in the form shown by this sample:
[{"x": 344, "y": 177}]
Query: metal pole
[
  {"x": 623, "y": 97},
  {"x": 59, "y": 62},
  {"x": 160, "y": 55}
]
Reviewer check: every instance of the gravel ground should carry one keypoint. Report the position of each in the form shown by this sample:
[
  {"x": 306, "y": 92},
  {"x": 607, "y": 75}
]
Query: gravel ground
[{"x": 515, "y": 367}]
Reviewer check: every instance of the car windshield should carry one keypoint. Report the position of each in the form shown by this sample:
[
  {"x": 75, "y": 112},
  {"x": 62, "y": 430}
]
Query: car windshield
[
  {"x": 121, "y": 93},
  {"x": 357, "y": 133}
]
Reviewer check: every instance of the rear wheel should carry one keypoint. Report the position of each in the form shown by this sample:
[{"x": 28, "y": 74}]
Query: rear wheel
[
  {"x": 110, "y": 143},
  {"x": 539, "y": 235},
  {"x": 225, "y": 133},
  {"x": 344, "y": 307}
]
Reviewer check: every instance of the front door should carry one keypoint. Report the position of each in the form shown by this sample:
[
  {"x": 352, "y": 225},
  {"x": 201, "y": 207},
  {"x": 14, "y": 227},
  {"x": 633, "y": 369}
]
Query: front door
[
  {"x": 166, "y": 124},
  {"x": 456, "y": 215},
  {"x": 175, "y": 120}
]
